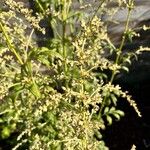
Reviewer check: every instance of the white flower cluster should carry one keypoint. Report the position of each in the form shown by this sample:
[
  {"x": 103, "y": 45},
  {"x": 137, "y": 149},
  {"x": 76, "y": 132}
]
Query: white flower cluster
[{"x": 19, "y": 8}]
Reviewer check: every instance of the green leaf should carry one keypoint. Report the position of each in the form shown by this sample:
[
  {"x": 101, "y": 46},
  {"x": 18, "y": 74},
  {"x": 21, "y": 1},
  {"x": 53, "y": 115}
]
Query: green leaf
[
  {"x": 29, "y": 68},
  {"x": 114, "y": 99},
  {"x": 109, "y": 119},
  {"x": 51, "y": 117},
  {"x": 15, "y": 90},
  {"x": 44, "y": 60},
  {"x": 75, "y": 72},
  {"x": 98, "y": 134},
  {"x": 16, "y": 87},
  {"x": 125, "y": 68},
  {"x": 14, "y": 95},
  {"x": 35, "y": 90},
  {"x": 48, "y": 52},
  {"x": 13, "y": 126},
  {"x": 112, "y": 109},
  {"x": 117, "y": 116},
  {"x": 5, "y": 132},
  {"x": 56, "y": 54},
  {"x": 88, "y": 86},
  {"x": 121, "y": 113},
  {"x": 106, "y": 110},
  {"x": 1, "y": 120},
  {"x": 128, "y": 61},
  {"x": 57, "y": 146}
]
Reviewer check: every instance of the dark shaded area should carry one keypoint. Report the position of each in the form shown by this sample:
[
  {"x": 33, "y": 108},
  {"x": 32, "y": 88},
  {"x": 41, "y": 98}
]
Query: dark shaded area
[
  {"x": 132, "y": 129},
  {"x": 42, "y": 39}
]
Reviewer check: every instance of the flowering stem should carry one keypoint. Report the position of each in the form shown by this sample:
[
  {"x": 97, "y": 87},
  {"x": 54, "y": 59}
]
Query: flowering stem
[
  {"x": 121, "y": 45},
  {"x": 118, "y": 57}
]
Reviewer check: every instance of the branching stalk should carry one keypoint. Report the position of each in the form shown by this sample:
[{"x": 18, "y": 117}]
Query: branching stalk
[
  {"x": 118, "y": 56},
  {"x": 121, "y": 45}
]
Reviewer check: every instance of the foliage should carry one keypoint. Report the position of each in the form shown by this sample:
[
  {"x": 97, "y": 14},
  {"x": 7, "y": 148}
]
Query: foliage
[{"x": 59, "y": 96}]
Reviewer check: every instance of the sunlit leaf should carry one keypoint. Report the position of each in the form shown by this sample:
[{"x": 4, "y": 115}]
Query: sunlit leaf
[
  {"x": 125, "y": 68},
  {"x": 117, "y": 116},
  {"x": 109, "y": 119},
  {"x": 5, "y": 132},
  {"x": 114, "y": 99},
  {"x": 35, "y": 90},
  {"x": 106, "y": 110},
  {"x": 121, "y": 113}
]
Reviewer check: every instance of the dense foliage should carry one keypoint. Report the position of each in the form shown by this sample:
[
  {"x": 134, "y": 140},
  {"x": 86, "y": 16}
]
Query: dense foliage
[{"x": 60, "y": 95}]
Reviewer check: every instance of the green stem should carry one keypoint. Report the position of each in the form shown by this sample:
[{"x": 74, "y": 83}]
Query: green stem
[
  {"x": 121, "y": 45},
  {"x": 64, "y": 17},
  {"x": 40, "y": 6},
  {"x": 64, "y": 46},
  {"x": 117, "y": 58},
  {"x": 10, "y": 46}
]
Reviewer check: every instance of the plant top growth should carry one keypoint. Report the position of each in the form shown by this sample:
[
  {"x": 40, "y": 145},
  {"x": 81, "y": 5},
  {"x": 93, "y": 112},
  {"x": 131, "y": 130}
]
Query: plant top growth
[{"x": 60, "y": 96}]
